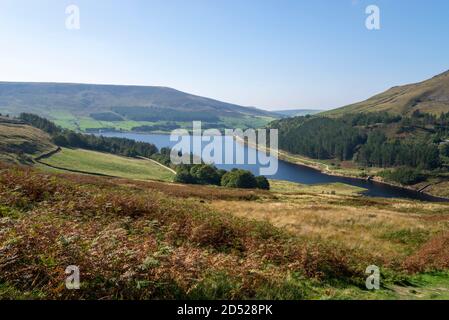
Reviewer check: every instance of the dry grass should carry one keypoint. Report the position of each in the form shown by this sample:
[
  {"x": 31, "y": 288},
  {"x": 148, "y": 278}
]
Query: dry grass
[
  {"x": 386, "y": 230},
  {"x": 154, "y": 240},
  {"x": 137, "y": 243},
  {"x": 19, "y": 142}
]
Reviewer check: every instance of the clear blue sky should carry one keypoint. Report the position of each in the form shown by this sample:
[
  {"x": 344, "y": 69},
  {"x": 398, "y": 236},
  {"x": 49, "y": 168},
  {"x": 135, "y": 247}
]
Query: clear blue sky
[{"x": 267, "y": 53}]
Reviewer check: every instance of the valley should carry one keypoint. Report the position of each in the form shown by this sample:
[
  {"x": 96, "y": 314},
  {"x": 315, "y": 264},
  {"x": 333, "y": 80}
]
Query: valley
[{"x": 109, "y": 204}]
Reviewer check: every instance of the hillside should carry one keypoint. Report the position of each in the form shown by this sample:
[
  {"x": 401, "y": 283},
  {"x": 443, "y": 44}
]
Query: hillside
[
  {"x": 152, "y": 240},
  {"x": 86, "y": 106},
  {"x": 19, "y": 142},
  {"x": 430, "y": 96},
  {"x": 99, "y": 163}
]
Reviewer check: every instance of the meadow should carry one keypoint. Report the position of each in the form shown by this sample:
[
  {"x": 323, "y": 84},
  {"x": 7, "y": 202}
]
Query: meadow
[{"x": 79, "y": 160}]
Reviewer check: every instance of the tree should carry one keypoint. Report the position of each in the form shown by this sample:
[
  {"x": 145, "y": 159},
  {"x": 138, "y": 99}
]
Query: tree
[
  {"x": 60, "y": 140},
  {"x": 184, "y": 177},
  {"x": 262, "y": 183},
  {"x": 205, "y": 174},
  {"x": 444, "y": 149},
  {"x": 238, "y": 178}
]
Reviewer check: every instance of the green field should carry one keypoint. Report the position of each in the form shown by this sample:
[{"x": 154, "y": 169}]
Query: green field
[
  {"x": 68, "y": 121},
  {"x": 108, "y": 164}
]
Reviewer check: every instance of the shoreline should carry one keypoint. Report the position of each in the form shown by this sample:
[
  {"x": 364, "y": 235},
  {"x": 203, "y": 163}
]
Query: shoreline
[
  {"x": 284, "y": 156},
  {"x": 314, "y": 165}
]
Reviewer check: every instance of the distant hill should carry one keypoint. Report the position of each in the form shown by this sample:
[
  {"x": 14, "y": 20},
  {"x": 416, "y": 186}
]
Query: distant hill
[
  {"x": 297, "y": 112},
  {"x": 19, "y": 142},
  {"x": 87, "y": 106},
  {"x": 430, "y": 96}
]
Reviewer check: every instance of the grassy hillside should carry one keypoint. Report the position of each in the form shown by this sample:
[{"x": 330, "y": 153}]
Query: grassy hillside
[
  {"x": 152, "y": 240},
  {"x": 84, "y": 107},
  {"x": 19, "y": 143},
  {"x": 430, "y": 96},
  {"x": 107, "y": 164}
]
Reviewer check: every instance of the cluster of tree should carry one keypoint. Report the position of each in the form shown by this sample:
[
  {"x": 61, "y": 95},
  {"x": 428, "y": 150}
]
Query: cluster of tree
[
  {"x": 237, "y": 178},
  {"x": 379, "y": 152},
  {"x": 40, "y": 123},
  {"x": 444, "y": 149},
  {"x": 319, "y": 137},
  {"x": 353, "y": 137},
  {"x": 68, "y": 138},
  {"x": 431, "y": 122},
  {"x": 163, "y": 157},
  {"x": 403, "y": 175},
  {"x": 366, "y": 119},
  {"x": 209, "y": 175}
]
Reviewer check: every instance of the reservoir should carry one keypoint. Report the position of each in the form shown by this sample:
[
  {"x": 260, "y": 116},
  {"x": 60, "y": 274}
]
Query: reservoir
[{"x": 287, "y": 171}]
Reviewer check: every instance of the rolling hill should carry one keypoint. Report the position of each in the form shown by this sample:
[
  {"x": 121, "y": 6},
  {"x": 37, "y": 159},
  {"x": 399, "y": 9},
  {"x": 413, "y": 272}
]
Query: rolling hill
[
  {"x": 87, "y": 106},
  {"x": 19, "y": 142},
  {"x": 430, "y": 96}
]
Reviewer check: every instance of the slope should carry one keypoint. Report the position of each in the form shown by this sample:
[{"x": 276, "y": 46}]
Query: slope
[
  {"x": 430, "y": 96},
  {"x": 87, "y": 106},
  {"x": 19, "y": 142}
]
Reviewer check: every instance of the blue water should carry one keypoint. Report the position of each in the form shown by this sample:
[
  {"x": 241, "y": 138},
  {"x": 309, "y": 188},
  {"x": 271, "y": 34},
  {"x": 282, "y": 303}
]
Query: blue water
[{"x": 286, "y": 171}]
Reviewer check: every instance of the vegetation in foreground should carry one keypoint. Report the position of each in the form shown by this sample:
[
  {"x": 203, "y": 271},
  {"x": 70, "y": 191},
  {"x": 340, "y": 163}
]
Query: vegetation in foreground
[{"x": 153, "y": 240}]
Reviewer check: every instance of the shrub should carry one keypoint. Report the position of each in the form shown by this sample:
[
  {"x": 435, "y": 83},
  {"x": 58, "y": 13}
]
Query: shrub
[
  {"x": 444, "y": 149},
  {"x": 262, "y": 183},
  {"x": 237, "y": 178},
  {"x": 205, "y": 174},
  {"x": 184, "y": 177}
]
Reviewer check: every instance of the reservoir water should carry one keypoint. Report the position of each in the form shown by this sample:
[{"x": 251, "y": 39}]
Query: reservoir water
[{"x": 287, "y": 171}]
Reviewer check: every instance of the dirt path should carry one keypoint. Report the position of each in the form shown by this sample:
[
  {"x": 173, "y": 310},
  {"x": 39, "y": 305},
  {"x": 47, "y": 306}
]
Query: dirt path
[{"x": 160, "y": 164}]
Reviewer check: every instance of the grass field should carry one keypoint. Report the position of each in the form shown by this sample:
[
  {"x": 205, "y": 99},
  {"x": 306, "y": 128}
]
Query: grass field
[
  {"x": 108, "y": 164},
  {"x": 67, "y": 120}
]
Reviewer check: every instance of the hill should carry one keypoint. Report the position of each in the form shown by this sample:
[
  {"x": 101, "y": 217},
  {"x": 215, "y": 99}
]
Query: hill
[
  {"x": 20, "y": 143},
  {"x": 430, "y": 96},
  {"x": 87, "y": 106}
]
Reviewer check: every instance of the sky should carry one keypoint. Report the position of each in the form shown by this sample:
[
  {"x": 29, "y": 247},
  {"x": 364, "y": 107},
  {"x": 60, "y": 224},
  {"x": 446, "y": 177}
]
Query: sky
[{"x": 273, "y": 54}]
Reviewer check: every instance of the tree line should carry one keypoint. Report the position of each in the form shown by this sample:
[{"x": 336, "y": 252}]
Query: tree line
[
  {"x": 69, "y": 138},
  {"x": 361, "y": 138}
]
